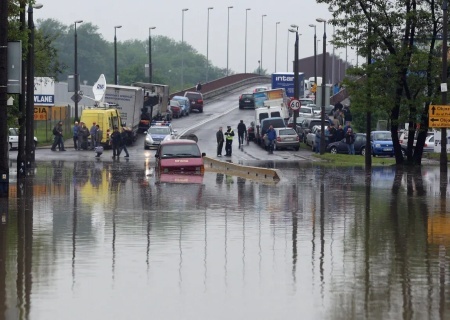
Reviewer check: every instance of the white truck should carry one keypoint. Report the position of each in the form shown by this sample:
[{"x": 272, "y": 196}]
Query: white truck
[{"x": 129, "y": 102}]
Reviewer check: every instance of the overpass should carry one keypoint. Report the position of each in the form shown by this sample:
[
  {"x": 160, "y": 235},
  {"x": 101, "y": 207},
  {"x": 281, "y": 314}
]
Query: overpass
[{"x": 219, "y": 86}]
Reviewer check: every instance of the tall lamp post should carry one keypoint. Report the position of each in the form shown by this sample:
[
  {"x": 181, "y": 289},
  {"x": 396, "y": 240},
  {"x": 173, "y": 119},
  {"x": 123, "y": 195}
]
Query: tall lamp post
[
  {"x": 207, "y": 44},
  {"x": 182, "y": 45},
  {"x": 296, "y": 84},
  {"x": 315, "y": 57},
  {"x": 245, "y": 63},
  {"x": 29, "y": 142},
  {"x": 228, "y": 35},
  {"x": 150, "y": 64},
  {"x": 262, "y": 37},
  {"x": 115, "y": 53},
  {"x": 443, "y": 155},
  {"x": 287, "y": 52},
  {"x": 276, "y": 40},
  {"x": 259, "y": 67},
  {"x": 77, "y": 77},
  {"x": 324, "y": 77}
]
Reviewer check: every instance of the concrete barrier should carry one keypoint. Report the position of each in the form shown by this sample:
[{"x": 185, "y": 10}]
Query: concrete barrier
[{"x": 249, "y": 172}]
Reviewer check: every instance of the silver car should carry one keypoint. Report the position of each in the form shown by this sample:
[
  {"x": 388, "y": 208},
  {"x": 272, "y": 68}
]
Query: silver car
[
  {"x": 287, "y": 138},
  {"x": 13, "y": 138}
]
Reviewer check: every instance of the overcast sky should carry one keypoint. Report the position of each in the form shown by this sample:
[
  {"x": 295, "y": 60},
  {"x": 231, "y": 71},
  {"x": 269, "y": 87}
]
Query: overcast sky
[{"x": 136, "y": 16}]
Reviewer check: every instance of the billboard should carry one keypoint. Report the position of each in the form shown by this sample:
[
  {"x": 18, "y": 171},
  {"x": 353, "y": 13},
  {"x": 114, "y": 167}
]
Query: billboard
[
  {"x": 44, "y": 91},
  {"x": 285, "y": 80}
]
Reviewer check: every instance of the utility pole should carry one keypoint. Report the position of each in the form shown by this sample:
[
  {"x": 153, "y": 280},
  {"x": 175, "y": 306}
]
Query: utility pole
[
  {"x": 443, "y": 157},
  {"x": 4, "y": 167}
]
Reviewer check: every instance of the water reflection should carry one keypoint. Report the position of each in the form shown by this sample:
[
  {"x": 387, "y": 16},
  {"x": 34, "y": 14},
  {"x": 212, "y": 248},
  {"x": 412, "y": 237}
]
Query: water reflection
[{"x": 328, "y": 243}]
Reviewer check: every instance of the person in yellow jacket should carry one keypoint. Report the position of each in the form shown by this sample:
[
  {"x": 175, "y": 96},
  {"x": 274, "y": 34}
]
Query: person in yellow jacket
[{"x": 229, "y": 134}]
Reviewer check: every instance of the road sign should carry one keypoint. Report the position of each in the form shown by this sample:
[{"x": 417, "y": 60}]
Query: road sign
[
  {"x": 294, "y": 104},
  {"x": 439, "y": 116},
  {"x": 76, "y": 98}
]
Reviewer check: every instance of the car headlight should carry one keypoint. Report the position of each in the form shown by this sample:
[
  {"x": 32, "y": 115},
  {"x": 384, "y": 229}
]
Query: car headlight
[
  {"x": 377, "y": 145},
  {"x": 148, "y": 139}
]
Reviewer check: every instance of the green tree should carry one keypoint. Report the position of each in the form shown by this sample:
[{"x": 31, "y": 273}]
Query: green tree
[{"x": 404, "y": 76}]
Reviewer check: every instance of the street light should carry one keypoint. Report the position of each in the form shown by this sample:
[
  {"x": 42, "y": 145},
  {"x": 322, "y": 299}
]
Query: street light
[
  {"x": 330, "y": 9},
  {"x": 315, "y": 57},
  {"x": 259, "y": 67},
  {"x": 262, "y": 36},
  {"x": 276, "y": 39},
  {"x": 115, "y": 53},
  {"x": 324, "y": 77},
  {"x": 296, "y": 83},
  {"x": 182, "y": 46},
  {"x": 207, "y": 44},
  {"x": 29, "y": 142},
  {"x": 150, "y": 65},
  {"x": 246, "y": 11},
  {"x": 228, "y": 35},
  {"x": 77, "y": 77}
]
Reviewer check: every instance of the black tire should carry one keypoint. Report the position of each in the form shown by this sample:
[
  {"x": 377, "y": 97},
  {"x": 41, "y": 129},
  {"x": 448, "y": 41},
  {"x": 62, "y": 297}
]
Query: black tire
[
  {"x": 296, "y": 148},
  {"x": 201, "y": 110},
  {"x": 334, "y": 150}
]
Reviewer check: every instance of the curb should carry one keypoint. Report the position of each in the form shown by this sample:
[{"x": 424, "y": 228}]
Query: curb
[{"x": 265, "y": 174}]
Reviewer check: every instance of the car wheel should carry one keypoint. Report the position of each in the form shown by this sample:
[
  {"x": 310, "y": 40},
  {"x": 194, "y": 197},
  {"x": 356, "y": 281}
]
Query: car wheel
[
  {"x": 201, "y": 110},
  {"x": 146, "y": 148},
  {"x": 334, "y": 150},
  {"x": 363, "y": 151},
  {"x": 296, "y": 148}
]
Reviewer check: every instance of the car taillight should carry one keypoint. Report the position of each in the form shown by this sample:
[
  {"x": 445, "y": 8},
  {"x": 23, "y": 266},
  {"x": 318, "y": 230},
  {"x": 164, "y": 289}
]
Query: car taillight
[
  {"x": 400, "y": 141},
  {"x": 425, "y": 145},
  {"x": 240, "y": 97},
  {"x": 278, "y": 139},
  {"x": 298, "y": 139},
  {"x": 199, "y": 101}
]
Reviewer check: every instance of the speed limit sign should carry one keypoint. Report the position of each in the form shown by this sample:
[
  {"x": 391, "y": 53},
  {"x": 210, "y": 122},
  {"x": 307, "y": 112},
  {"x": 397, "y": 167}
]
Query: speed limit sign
[{"x": 294, "y": 104}]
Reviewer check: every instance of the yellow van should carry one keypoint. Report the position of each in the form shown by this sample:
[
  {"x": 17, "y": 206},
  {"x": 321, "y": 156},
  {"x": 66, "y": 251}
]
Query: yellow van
[{"x": 107, "y": 119}]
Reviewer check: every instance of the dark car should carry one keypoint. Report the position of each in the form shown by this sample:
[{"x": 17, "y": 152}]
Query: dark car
[
  {"x": 196, "y": 100},
  {"x": 276, "y": 122},
  {"x": 246, "y": 100},
  {"x": 306, "y": 125},
  {"x": 341, "y": 146}
]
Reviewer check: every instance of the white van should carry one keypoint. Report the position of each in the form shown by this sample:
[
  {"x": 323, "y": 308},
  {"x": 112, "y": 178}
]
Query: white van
[{"x": 269, "y": 112}]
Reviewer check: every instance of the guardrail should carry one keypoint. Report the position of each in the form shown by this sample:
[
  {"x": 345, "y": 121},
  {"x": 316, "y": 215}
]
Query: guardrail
[
  {"x": 236, "y": 85},
  {"x": 248, "y": 172}
]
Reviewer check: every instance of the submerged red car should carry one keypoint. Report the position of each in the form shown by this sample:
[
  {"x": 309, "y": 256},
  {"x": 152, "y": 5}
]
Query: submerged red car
[{"x": 179, "y": 156}]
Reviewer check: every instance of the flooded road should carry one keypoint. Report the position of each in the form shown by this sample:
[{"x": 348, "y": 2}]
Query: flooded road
[{"x": 106, "y": 240}]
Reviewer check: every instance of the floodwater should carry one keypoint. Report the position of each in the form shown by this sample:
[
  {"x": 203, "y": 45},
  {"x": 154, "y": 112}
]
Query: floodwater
[{"x": 99, "y": 240}]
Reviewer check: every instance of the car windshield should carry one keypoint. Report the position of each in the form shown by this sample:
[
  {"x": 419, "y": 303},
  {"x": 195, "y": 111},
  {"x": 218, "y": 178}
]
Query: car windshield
[
  {"x": 180, "y": 151},
  {"x": 160, "y": 130},
  {"x": 382, "y": 136},
  {"x": 305, "y": 110},
  {"x": 193, "y": 95},
  {"x": 305, "y": 102},
  {"x": 247, "y": 96}
]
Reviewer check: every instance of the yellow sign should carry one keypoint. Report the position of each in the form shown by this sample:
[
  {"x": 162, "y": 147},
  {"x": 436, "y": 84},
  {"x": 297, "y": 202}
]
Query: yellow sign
[{"x": 439, "y": 116}]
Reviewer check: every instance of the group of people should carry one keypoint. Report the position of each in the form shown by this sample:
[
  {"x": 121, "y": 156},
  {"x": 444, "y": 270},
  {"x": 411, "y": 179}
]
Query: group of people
[
  {"x": 81, "y": 135},
  {"x": 227, "y": 137},
  {"x": 333, "y": 134}
]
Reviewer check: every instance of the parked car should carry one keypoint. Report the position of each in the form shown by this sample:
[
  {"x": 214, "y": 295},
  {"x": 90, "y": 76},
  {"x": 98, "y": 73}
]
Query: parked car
[
  {"x": 316, "y": 109},
  {"x": 276, "y": 122},
  {"x": 381, "y": 142},
  {"x": 181, "y": 156},
  {"x": 306, "y": 112},
  {"x": 299, "y": 119},
  {"x": 287, "y": 138},
  {"x": 341, "y": 146},
  {"x": 196, "y": 99},
  {"x": 311, "y": 136},
  {"x": 306, "y": 101},
  {"x": 184, "y": 103},
  {"x": 306, "y": 125},
  {"x": 427, "y": 147},
  {"x": 246, "y": 100},
  {"x": 13, "y": 139},
  {"x": 159, "y": 131},
  {"x": 258, "y": 89},
  {"x": 175, "y": 108}
]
